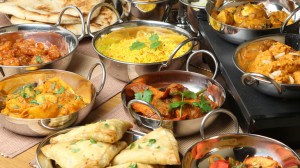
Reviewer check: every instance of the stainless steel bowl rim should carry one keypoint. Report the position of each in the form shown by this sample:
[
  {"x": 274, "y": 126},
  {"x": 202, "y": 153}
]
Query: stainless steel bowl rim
[
  {"x": 47, "y": 70},
  {"x": 46, "y": 26},
  {"x": 193, "y": 73},
  {"x": 142, "y": 23},
  {"x": 248, "y": 42},
  {"x": 145, "y": 2}
]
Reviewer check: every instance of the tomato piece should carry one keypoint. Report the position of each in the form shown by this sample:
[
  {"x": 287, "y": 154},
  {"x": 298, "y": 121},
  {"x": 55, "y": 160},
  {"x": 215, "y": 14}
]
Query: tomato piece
[{"x": 220, "y": 164}]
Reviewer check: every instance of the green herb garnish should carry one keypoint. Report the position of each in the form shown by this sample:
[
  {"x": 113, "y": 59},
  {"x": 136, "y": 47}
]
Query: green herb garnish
[
  {"x": 133, "y": 165},
  {"x": 186, "y": 94},
  {"x": 39, "y": 59},
  {"x": 77, "y": 97},
  {"x": 75, "y": 150},
  {"x": 145, "y": 96},
  {"x": 35, "y": 102},
  {"x": 151, "y": 142},
  {"x": 93, "y": 141},
  {"x": 131, "y": 146},
  {"x": 53, "y": 85},
  {"x": 37, "y": 92},
  {"x": 60, "y": 106},
  {"x": 137, "y": 45},
  {"x": 203, "y": 104},
  {"x": 16, "y": 106},
  {"x": 24, "y": 95},
  {"x": 61, "y": 90},
  {"x": 106, "y": 125},
  {"x": 73, "y": 143},
  {"x": 154, "y": 41},
  {"x": 139, "y": 146}
]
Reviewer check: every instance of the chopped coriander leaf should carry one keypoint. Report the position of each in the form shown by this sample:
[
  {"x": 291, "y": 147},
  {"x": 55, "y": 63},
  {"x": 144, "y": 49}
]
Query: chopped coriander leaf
[
  {"x": 155, "y": 45},
  {"x": 77, "y": 97},
  {"x": 25, "y": 95},
  {"x": 131, "y": 146},
  {"x": 75, "y": 150},
  {"x": 73, "y": 143},
  {"x": 137, "y": 45},
  {"x": 53, "y": 85},
  {"x": 93, "y": 141},
  {"x": 139, "y": 146},
  {"x": 39, "y": 59},
  {"x": 16, "y": 106},
  {"x": 37, "y": 92},
  {"x": 133, "y": 165},
  {"x": 203, "y": 104},
  {"x": 60, "y": 106},
  {"x": 157, "y": 147},
  {"x": 176, "y": 104},
  {"x": 145, "y": 96},
  {"x": 61, "y": 90},
  {"x": 106, "y": 125},
  {"x": 151, "y": 142},
  {"x": 35, "y": 102},
  {"x": 154, "y": 38}
]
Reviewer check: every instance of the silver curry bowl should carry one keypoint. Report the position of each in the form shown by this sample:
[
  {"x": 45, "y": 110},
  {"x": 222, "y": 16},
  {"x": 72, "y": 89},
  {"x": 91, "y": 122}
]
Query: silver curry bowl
[
  {"x": 65, "y": 40},
  {"x": 193, "y": 81},
  {"x": 42, "y": 127},
  {"x": 127, "y": 71},
  {"x": 238, "y": 146},
  {"x": 264, "y": 83},
  {"x": 239, "y": 35}
]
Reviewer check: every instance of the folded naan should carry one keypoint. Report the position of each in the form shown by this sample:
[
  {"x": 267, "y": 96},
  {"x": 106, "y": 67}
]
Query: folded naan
[
  {"x": 109, "y": 131},
  {"x": 83, "y": 154},
  {"x": 158, "y": 147},
  {"x": 136, "y": 165}
]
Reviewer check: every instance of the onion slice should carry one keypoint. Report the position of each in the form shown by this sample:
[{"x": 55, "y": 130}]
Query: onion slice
[{"x": 279, "y": 55}]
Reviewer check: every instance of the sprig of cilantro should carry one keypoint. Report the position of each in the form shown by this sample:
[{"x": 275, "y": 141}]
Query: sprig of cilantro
[
  {"x": 145, "y": 96},
  {"x": 203, "y": 104},
  {"x": 186, "y": 94},
  {"x": 137, "y": 45},
  {"x": 154, "y": 41}
]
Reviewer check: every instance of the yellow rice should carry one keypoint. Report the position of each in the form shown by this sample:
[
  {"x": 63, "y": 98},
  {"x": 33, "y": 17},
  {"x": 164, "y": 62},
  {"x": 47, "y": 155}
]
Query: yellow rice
[{"x": 116, "y": 44}]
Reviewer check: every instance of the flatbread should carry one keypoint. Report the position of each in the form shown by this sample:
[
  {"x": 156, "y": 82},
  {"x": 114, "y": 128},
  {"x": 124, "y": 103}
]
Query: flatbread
[
  {"x": 50, "y": 6},
  {"x": 85, "y": 153},
  {"x": 158, "y": 147},
  {"x": 109, "y": 131},
  {"x": 137, "y": 165}
]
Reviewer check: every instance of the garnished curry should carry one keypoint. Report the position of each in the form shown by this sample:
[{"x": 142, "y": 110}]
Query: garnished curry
[
  {"x": 26, "y": 52},
  {"x": 175, "y": 102},
  {"x": 50, "y": 99}
]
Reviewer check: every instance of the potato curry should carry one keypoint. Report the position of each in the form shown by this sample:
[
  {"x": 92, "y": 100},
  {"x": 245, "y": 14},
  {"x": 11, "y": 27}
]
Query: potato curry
[
  {"x": 175, "y": 102},
  {"x": 49, "y": 99},
  {"x": 273, "y": 59},
  {"x": 251, "y": 16},
  {"x": 26, "y": 52}
]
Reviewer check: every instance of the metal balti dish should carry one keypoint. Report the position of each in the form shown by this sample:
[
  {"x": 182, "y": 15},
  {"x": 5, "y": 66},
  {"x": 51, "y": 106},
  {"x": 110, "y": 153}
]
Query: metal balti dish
[
  {"x": 158, "y": 10},
  {"x": 193, "y": 81},
  {"x": 64, "y": 39},
  {"x": 127, "y": 71},
  {"x": 238, "y": 35},
  {"x": 239, "y": 147},
  {"x": 264, "y": 83},
  {"x": 43, "y": 162},
  {"x": 43, "y": 127}
]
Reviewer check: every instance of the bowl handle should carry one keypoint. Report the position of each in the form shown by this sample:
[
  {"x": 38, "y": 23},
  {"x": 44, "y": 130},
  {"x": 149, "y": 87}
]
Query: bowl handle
[
  {"x": 208, "y": 53},
  {"x": 103, "y": 76},
  {"x": 249, "y": 79},
  {"x": 220, "y": 110},
  {"x": 66, "y": 120},
  {"x": 288, "y": 19},
  {"x": 136, "y": 117},
  {"x": 81, "y": 19},
  {"x": 88, "y": 23},
  {"x": 165, "y": 65}
]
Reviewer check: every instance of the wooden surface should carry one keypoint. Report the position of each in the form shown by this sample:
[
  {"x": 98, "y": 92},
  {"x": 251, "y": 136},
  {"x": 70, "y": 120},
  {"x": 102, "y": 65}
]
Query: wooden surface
[{"x": 22, "y": 160}]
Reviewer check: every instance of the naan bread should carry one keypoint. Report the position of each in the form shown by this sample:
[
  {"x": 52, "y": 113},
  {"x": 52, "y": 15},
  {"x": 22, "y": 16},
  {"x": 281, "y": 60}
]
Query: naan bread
[
  {"x": 109, "y": 131},
  {"x": 136, "y": 165},
  {"x": 85, "y": 153},
  {"x": 158, "y": 147}
]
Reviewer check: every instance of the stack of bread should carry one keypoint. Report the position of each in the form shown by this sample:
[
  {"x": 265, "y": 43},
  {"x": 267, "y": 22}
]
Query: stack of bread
[
  {"x": 47, "y": 11},
  {"x": 100, "y": 145}
]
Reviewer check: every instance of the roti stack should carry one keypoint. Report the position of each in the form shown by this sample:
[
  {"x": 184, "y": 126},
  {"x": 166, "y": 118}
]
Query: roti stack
[{"x": 47, "y": 11}]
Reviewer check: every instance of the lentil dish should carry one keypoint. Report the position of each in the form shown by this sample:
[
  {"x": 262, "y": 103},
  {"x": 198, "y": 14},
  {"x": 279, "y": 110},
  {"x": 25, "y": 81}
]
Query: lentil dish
[
  {"x": 142, "y": 44},
  {"x": 26, "y": 52},
  {"x": 48, "y": 99},
  {"x": 273, "y": 59},
  {"x": 251, "y": 16}
]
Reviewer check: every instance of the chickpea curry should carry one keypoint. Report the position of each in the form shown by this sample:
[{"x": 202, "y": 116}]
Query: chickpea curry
[
  {"x": 49, "y": 99},
  {"x": 175, "y": 102},
  {"x": 27, "y": 52}
]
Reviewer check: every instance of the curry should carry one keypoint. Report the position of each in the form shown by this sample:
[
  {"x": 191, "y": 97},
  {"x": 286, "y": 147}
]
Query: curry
[
  {"x": 251, "y": 16},
  {"x": 175, "y": 102},
  {"x": 49, "y": 99},
  {"x": 273, "y": 59},
  {"x": 27, "y": 52}
]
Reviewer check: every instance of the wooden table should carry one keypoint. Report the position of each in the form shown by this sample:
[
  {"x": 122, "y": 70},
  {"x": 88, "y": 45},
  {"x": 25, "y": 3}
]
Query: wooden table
[{"x": 22, "y": 160}]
